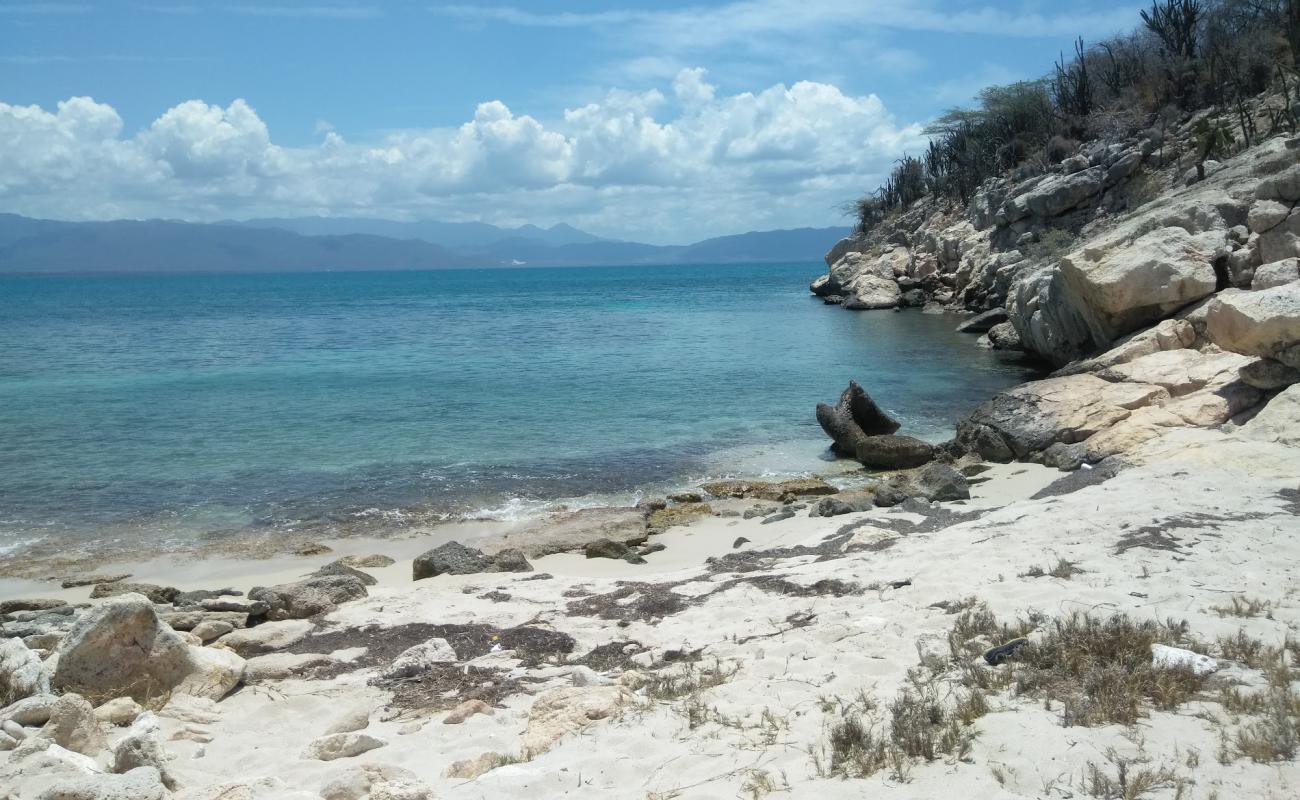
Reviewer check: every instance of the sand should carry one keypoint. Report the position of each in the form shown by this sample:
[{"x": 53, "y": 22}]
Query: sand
[{"x": 1200, "y": 517}]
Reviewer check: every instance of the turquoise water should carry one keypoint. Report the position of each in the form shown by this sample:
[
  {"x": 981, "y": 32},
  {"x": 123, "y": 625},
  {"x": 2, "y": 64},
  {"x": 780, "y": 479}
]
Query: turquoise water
[{"x": 175, "y": 406}]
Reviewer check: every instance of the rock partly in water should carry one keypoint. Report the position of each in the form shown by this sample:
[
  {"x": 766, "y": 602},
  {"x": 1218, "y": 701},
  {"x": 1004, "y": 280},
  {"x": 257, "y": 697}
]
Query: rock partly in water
[
  {"x": 981, "y": 323},
  {"x": 854, "y": 417}
]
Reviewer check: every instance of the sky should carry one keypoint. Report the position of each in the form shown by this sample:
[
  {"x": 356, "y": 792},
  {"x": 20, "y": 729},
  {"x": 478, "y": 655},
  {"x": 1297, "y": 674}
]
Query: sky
[{"x": 662, "y": 121}]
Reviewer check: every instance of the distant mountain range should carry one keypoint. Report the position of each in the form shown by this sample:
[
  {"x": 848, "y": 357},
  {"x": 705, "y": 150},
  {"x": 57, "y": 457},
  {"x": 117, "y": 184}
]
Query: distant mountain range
[{"x": 318, "y": 243}]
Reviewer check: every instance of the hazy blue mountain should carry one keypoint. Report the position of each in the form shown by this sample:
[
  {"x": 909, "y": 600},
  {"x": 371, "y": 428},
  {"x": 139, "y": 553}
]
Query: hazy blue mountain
[
  {"x": 452, "y": 235},
  {"x": 32, "y": 245},
  {"x": 155, "y": 246}
]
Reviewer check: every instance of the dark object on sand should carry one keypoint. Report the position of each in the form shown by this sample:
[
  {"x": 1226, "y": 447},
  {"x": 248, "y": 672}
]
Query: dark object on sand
[{"x": 995, "y": 656}]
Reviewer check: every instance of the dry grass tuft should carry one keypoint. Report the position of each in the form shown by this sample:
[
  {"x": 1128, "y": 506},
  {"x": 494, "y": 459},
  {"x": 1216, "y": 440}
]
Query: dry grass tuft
[
  {"x": 1129, "y": 783},
  {"x": 1245, "y": 607}
]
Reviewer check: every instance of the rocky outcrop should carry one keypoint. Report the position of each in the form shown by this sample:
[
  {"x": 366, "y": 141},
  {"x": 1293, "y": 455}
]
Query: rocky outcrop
[{"x": 770, "y": 490}]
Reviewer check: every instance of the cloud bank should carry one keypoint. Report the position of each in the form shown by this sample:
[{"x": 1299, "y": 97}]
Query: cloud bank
[{"x": 661, "y": 165}]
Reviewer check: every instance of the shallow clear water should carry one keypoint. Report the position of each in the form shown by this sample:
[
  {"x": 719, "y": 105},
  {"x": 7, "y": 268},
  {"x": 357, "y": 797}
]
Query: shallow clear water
[{"x": 174, "y": 405}]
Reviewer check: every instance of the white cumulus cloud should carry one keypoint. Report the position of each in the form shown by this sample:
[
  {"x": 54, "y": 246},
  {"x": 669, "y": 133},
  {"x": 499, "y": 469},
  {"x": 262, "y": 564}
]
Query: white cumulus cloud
[{"x": 635, "y": 165}]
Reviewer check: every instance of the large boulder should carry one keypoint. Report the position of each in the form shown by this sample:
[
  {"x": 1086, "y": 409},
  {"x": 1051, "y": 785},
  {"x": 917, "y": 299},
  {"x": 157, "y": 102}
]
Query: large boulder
[
  {"x": 869, "y": 291},
  {"x": 1262, "y": 323},
  {"x": 853, "y": 418},
  {"x": 452, "y": 558},
  {"x": 1126, "y": 287},
  {"x": 1276, "y": 273},
  {"x": 939, "y": 482},
  {"x": 21, "y": 672},
  {"x": 1060, "y": 193},
  {"x": 981, "y": 323},
  {"x": 121, "y": 648},
  {"x": 266, "y": 638},
  {"x": 1029, "y": 418},
  {"x": 306, "y": 598},
  {"x": 893, "y": 452}
]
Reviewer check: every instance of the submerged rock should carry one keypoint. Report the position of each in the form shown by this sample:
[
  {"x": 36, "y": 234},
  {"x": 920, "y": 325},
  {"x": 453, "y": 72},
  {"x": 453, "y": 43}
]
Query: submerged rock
[{"x": 981, "y": 323}]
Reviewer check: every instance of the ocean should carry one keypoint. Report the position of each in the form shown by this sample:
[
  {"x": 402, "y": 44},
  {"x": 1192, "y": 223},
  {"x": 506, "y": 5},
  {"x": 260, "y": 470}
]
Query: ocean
[{"x": 155, "y": 410}]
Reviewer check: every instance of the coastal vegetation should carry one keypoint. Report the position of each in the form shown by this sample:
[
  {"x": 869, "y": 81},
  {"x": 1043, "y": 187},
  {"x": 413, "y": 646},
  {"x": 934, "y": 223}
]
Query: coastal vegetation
[{"x": 1185, "y": 56}]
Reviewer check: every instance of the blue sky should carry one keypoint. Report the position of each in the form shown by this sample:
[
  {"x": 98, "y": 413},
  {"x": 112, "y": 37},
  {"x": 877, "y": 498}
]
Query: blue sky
[{"x": 657, "y": 121}]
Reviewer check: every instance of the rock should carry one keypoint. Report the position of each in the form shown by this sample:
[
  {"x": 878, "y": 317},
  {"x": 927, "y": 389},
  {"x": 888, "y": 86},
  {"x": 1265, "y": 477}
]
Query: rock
[
  {"x": 370, "y": 561},
  {"x": 872, "y": 292},
  {"x": 7, "y": 742},
  {"x": 452, "y": 558},
  {"x": 307, "y": 598},
  {"x": 31, "y": 711},
  {"x": 686, "y": 497},
  {"x": 1165, "y": 657},
  {"x": 1265, "y": 215},
  {"x": 118, "y": 711},
  {"x": 780, "y": 516},
  {"x": 569, "y": 531},
  {"x": 1279, "y": 421},
  {"x": 844, "y": 503},
  {"x": 981, "y": 323},
  {"x": 21, "y": 672},
  {"x": 466, "y": 710},
  {"x": 191, "y": 598},
  {"x": 339, "y": 568},
  {"x": 357, "y": 719},
  {"x": 1031, "y": 417},
  {"x": 142, "y": 749},
  {"x": 1060, "y": 193},
  {"x": 1169, "y": 334},
  {"x": 312, "y": 549},
  {"x": 739, "y": 542},
  {"x": 1126, "y": 288},
  {"x": 376, "y": 782},
  {"x": 8, "y": 607},
  {"x": 342, "y": 745},
  {"x": 510, "y": 560},
  {"x": 211, "y": 630},
  {"x": 888, "y": 496},
  {"x": 213, "y": 673},
  {"x": 1276, "y": 273},
  {"x": 940, "y": 482},
  {"x": 419, "y": 659},
  {"x": 821, "y": 286},
  {"x": 155, "y": 593},
  {"x": 278, "y": 666},
  {"x": 1267, "y": 374},
  {"x": 558, "y": 712},
  {"x": 893, "y": 452},
  {"x": 90, "y": 580},
  {"x": 121, "y": 648},
  {"x": 73, "y": 725},
  {"x": 586, "y": 676},
  {"x": 1263, "y": 323},
  {"x": 1004, "y": 337},
  {"x": 236, "y": 606},
  {"x": 471, "y": 768},
  {"x": 1281, "y": 242},
  {"x": 142, "y": 783},
  {"x": 266, "y": 637},
  {"x": 1285, "y": 186},
  {"x": 855, "y": 416},
  {"x": 666, "y": 518},
  {"x": 189, "y": 620},
  {"x": 604, "y": 548}
]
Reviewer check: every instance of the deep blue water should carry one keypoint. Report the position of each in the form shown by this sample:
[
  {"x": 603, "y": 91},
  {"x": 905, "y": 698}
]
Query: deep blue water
[{"x": 175, "y": 405}]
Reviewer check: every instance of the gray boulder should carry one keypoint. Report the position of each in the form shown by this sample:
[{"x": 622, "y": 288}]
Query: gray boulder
[
  {"x": 306, "y": 598},
  {"x": 155, "y": 593},
  {"x": 1268, "y": 374},
  {"x": 893, "y": 452},
  {"x": 452, "y": 558},
  {"x": 1004, "y": 336},
  {"x": 511, "y": 560},
  {"x": 853, "y": 418},
  {"x": 843, "y": 503},
  {"x": 940, "y": 482},
  {"x": 142, "y": 749},
  {"x": 31, "y": 712}
]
